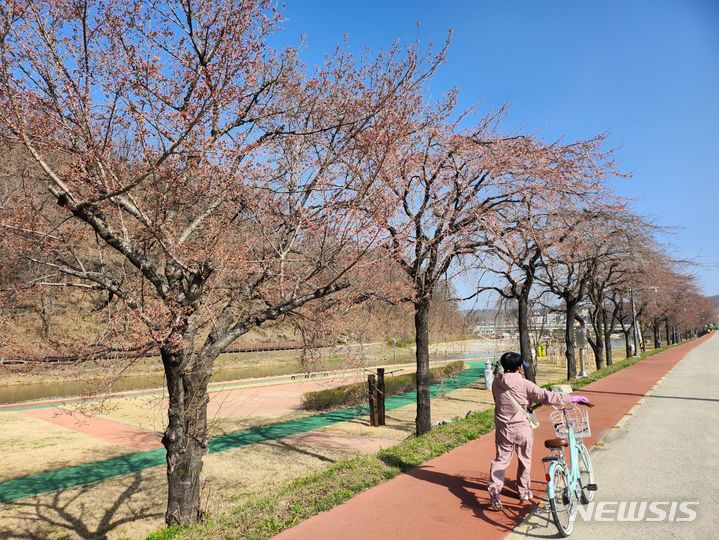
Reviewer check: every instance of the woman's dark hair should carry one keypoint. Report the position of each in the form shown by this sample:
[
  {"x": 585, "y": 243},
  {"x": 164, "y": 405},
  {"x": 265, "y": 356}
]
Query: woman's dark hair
[{"x": 511, "y": 361}]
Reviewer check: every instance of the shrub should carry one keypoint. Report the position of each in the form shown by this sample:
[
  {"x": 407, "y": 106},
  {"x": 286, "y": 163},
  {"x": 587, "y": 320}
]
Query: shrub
[{"x": 350, "y": 395}]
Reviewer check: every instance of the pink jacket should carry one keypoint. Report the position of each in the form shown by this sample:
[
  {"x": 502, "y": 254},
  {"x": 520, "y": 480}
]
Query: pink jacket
[{"x": 506, "y": 413}]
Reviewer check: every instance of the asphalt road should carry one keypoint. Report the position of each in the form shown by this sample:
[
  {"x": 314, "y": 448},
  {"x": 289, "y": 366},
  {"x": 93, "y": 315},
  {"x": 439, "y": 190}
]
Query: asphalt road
[{"x": 666, "y": 452}]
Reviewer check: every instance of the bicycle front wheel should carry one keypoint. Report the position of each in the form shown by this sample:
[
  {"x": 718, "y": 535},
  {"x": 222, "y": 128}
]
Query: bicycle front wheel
[
  {"x": 586, "y": 474},
  {"x": 564, "y": 502}
]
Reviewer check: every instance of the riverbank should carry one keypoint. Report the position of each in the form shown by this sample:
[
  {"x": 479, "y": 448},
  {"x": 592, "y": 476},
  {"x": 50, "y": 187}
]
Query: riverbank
[
  {"x": 102, "y": 376},
  {"x": 130, "y": 506}
]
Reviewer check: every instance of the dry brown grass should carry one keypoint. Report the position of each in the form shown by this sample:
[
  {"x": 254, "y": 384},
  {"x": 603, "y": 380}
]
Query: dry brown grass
[{"x": 29, "y": 445}]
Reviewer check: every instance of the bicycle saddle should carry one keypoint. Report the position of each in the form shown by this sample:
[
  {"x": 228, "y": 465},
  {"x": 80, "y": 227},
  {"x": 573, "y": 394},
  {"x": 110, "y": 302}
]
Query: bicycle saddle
[{"x": 556, "y": 443}]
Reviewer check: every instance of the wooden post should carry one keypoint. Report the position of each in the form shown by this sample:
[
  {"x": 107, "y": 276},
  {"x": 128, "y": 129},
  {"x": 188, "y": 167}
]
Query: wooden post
[
  {"x": 372, "y": 395},
  {"x": 380, "y": 396}
]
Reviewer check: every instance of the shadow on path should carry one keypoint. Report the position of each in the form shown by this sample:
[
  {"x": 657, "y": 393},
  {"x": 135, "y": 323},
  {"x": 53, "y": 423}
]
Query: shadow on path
[
  {"x": 471, "y": 492},
  {"x": 477, "y": 500}
]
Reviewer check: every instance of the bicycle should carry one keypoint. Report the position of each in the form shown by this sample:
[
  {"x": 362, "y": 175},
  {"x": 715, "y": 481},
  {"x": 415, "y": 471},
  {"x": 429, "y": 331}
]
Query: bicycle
[{"x": 569, "y": 482}]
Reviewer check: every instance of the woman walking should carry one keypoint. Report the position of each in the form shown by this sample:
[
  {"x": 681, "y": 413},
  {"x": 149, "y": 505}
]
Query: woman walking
[{"x": 513, "y": 396}]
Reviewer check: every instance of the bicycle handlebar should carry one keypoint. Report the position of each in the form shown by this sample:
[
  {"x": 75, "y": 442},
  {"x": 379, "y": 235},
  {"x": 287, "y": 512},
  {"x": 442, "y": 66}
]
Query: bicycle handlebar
[{"x": 570, "y": 406}]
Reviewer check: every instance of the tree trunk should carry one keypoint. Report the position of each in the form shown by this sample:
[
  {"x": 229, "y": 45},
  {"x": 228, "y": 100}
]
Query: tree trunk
[
  {"x": 666, "y": 330},
  {"x": 571, "y": 310},
  {"x": 185, "y": 438},
  {"x": 627, "y": 341},
  {"x": 525, "y": 344},
  {"x": 643, "y": 331},
  {"x": 608, "y": 327},
  {"x": 423, "y": 421},
  {"x": 46, "y": 316},
  {"x": 655, "y": 331}
]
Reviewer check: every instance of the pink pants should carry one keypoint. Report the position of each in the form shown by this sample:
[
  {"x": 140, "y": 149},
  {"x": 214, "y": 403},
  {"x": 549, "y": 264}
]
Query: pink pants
[{"x": 509, "y": 439}]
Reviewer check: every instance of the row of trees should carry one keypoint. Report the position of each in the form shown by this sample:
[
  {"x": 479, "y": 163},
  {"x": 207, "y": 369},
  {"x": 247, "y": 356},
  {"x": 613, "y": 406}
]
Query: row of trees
[
  {"x": 180, "y": 171},
  {"x": 591, "y": 265}
]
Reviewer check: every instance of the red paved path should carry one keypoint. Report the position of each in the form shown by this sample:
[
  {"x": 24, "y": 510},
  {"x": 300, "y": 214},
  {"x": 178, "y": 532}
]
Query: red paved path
[
  {"x": 447, "y": 498},
  {"x": 107, "y": 430}
]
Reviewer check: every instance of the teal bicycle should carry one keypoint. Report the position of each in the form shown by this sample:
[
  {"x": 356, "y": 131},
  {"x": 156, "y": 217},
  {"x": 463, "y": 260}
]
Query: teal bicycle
[{"x": 569, "y": 483}]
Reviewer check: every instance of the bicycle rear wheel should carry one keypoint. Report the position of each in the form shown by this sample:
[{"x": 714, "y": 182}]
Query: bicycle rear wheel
[
  {"x": 586, "y": 474},
  {"x": 564, "y": 502}
]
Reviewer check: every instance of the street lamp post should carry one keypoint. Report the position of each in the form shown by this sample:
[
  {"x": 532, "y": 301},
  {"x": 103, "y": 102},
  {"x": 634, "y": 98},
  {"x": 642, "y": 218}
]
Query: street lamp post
[
  {"x": 634, "y": 325},
  {"x": 580, "y": 338}
]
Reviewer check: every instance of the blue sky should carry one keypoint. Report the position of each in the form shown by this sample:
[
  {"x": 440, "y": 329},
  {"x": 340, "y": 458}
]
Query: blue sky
[{"x": 646, "y": 71}]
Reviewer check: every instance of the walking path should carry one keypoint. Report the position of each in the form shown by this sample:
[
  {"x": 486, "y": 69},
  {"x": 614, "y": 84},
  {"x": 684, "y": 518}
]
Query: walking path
[
  {"x": 671, "y": 447},
  {"x": 108, "y": 430},
  {"x": 87, "y": 473},
  {"x": 447, "y": 497}
]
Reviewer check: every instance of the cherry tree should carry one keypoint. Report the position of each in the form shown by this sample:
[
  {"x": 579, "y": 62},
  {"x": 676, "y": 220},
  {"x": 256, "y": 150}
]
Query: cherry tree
[
  {"x": 654, "y": 282},
  {"x": 533, "y": 224},
  {"x": 446, "y": 188},
  {"x": 653, "y": 278},
  {"x": 700, "y": 313},
  {"x": 686, "y": 308},
  {"x": 618, "y": 257},
  {"x": 195, "y": 177},
  {"x": 569, "y": 264}
]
